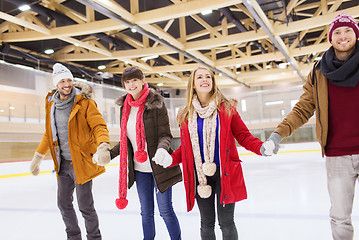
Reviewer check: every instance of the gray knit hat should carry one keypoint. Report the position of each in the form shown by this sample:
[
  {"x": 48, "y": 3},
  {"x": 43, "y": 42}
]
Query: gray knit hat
[{"x": 60, "y": 72}]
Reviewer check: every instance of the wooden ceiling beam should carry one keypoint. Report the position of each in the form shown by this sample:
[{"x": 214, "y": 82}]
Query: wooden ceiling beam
[{"x": 181, "y": 10}]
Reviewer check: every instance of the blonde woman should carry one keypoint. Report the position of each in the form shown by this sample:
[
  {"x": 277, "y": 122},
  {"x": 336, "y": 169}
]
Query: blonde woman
[{"x": 209, "y": 125}]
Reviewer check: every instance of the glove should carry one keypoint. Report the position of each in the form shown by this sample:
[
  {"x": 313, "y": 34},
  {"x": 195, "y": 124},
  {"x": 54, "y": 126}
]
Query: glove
[
  {"x": 267, "y": 148},
  {"x": 95, "y": 158},
  {"x": 162, "y": 158},
  {"x": 35, "y": 163},
  {"x": 102, "y": 155},
  {"x": 275, "y": 138}
]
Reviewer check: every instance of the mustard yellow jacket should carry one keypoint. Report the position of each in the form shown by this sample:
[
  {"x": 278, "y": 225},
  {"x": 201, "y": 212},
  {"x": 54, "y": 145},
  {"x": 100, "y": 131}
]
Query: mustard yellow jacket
[
  {"x": 87, "y": 129},
  {"x": 314, "y": 99}
]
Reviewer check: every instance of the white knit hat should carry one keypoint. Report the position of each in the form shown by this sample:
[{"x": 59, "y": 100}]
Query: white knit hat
[{"x": 60, "y": 72}]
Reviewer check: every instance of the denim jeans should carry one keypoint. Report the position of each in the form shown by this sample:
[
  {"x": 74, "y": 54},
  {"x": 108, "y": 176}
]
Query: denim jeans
[
  {"x": 342, "y": 174},
  {"x": 225, "y": 213},
  {"x": 146, "y": 186},
  {"x": 66, "y": 185}
]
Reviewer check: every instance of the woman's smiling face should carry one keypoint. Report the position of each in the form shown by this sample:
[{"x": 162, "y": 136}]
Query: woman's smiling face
[
  {"x": 134, "y": 87},
  {"x": 203, "y": 82}
]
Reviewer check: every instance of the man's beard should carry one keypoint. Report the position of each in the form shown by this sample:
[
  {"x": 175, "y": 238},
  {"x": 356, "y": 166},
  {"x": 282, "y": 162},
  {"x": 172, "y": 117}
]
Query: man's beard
[{"x": 63, "y": 94}]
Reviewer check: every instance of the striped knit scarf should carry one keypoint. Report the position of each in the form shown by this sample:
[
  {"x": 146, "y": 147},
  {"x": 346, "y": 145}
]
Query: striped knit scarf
[
  {"x": 208, "y": 168},
  {"x": 140, "y": 154}
]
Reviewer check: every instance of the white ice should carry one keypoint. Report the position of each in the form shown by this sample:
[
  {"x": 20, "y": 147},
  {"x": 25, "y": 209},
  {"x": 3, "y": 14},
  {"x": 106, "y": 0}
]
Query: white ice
[{"x": 287, "y": 200}]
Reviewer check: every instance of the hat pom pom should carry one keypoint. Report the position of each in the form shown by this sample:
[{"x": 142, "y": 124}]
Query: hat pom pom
[
  {"x": 141, "y": 156},
  {"x": 121, "y": 203},
  {"x": 204, "y": 191},
  {"x": 209, "y": 168}
]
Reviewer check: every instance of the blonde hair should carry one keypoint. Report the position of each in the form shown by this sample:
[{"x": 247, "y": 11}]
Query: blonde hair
[{"x": 186, "y": 111}]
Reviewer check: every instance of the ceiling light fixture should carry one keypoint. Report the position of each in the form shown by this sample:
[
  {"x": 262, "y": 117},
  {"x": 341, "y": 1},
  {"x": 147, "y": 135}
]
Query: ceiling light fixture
[
  {"x": 206, "y": 12},
  {"x": 273, "y": 103},
  {"x": 49, "y": 51},
  {"x": 24, "y": 8},
  {"x": 160, "y": 84},
  {"x": 101, "y": 67},
  {"x": 283, "y": 65}
]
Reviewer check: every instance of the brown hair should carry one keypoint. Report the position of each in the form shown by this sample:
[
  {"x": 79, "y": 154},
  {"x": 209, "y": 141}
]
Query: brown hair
[
  {"x": 131, "y": 73},
  {"x": 186, "y": 111}
]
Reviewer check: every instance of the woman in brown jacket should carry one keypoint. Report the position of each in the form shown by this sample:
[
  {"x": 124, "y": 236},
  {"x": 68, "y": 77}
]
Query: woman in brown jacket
[{"x": 145, "y": 133}]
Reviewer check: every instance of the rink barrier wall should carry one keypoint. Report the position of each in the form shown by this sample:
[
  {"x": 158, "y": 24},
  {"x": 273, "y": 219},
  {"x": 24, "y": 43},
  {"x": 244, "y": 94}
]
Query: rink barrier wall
[
  {"x": 18, "y": 141},
  {"x": 245, "y": 153}
]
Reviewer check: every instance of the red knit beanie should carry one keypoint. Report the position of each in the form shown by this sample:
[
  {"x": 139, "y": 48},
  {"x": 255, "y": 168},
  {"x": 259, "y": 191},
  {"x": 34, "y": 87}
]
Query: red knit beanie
[{"x": 343, "y": 20}]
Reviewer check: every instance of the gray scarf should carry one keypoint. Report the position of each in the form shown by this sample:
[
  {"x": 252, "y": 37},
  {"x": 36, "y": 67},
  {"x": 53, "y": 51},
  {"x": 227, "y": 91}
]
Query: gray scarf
[
  {"x": 59, "y": 104},
  {"x": 341, "y": 73},
  {"x": 62, "y": 115}
]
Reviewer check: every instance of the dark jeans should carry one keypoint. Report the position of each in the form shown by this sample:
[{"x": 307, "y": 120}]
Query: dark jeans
[
  {"x": 66, "y": 185},
  {"x": 225, "y": 213},
  {"x": 146, "y": 186}
]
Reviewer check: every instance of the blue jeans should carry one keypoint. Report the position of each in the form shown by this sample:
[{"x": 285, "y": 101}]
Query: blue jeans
[{"x": 146, "y": 186}]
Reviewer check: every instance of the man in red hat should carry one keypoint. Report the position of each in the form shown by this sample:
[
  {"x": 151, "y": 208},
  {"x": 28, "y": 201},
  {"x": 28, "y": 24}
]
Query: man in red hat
[{"x": 332, "y": 91}]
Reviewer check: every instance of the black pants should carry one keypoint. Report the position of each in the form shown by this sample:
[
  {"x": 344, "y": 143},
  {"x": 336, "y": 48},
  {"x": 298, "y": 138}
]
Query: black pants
[
  {"x": 207, "y": 211},
  {"x": 66, "y": 185}
]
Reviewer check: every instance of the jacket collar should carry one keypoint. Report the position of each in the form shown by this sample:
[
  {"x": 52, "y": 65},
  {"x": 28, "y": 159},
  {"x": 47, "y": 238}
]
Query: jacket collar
[{"x": 83, "y": 91}]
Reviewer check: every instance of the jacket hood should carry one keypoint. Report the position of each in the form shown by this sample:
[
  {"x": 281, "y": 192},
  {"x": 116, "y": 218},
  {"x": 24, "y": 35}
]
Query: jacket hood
[
  {"x": 85, "y": 89},
  {"x": 153, "y": 100},
  {"x": 82, "y": 88}
]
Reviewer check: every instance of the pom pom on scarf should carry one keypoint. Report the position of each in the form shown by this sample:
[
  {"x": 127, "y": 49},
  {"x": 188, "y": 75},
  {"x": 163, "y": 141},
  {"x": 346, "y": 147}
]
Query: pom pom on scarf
[
  {"x": 140, "y": 156},
  {"x": 204, "y": 191},
  {"x": 121, "y": 203},
  {"x": 209, "y": 168}
]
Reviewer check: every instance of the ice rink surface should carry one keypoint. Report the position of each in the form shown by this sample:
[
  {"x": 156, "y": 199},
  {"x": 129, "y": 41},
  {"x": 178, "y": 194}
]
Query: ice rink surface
[{"x": 287, "y": 200}]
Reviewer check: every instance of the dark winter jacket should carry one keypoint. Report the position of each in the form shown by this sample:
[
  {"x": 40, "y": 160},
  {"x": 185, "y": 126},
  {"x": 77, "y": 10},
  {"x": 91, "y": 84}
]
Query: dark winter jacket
[{"x": 158, "y": 135}]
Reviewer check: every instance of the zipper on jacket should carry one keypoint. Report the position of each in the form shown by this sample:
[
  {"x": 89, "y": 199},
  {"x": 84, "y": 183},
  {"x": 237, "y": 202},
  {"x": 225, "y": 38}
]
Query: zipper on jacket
[
  {"x": 220, "y": 165},
  {"x": 223, "y": 186},
  {"x": 188, "y": 171},
  {"x": 319, "y": 120}
]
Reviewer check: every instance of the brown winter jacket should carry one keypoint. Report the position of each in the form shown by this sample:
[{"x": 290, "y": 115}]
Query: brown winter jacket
[
  {"x": 158, "y": 135},
  {"x": 314, "y": 99},
  {"x": 87, "y": 129}
]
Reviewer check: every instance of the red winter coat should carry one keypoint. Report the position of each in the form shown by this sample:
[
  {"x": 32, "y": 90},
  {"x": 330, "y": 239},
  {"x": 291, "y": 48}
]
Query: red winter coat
[{"x": 232, "y": 182}]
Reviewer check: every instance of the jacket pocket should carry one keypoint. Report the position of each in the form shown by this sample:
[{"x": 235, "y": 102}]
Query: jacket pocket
[
  {"x": 236, "y": 173},
  {"x": 88, "y": 150}
]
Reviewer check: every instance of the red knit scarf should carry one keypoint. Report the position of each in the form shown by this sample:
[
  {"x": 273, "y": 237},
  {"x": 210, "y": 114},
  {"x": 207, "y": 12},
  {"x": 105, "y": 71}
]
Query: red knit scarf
[{"x": 140, "y": 154}]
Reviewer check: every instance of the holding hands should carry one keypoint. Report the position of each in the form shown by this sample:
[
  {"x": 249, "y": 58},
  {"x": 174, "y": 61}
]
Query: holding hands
[
  {"x": 162, "y": 158},
  {"x": 271, "y": 145},
  {"x": 102, "y": 156}
]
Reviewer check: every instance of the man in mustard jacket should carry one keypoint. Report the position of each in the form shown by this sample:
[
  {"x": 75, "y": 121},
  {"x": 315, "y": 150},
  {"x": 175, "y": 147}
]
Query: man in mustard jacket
[
  {"x": 332, "y": 91},
  {"x": 75, "y": 131}
]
